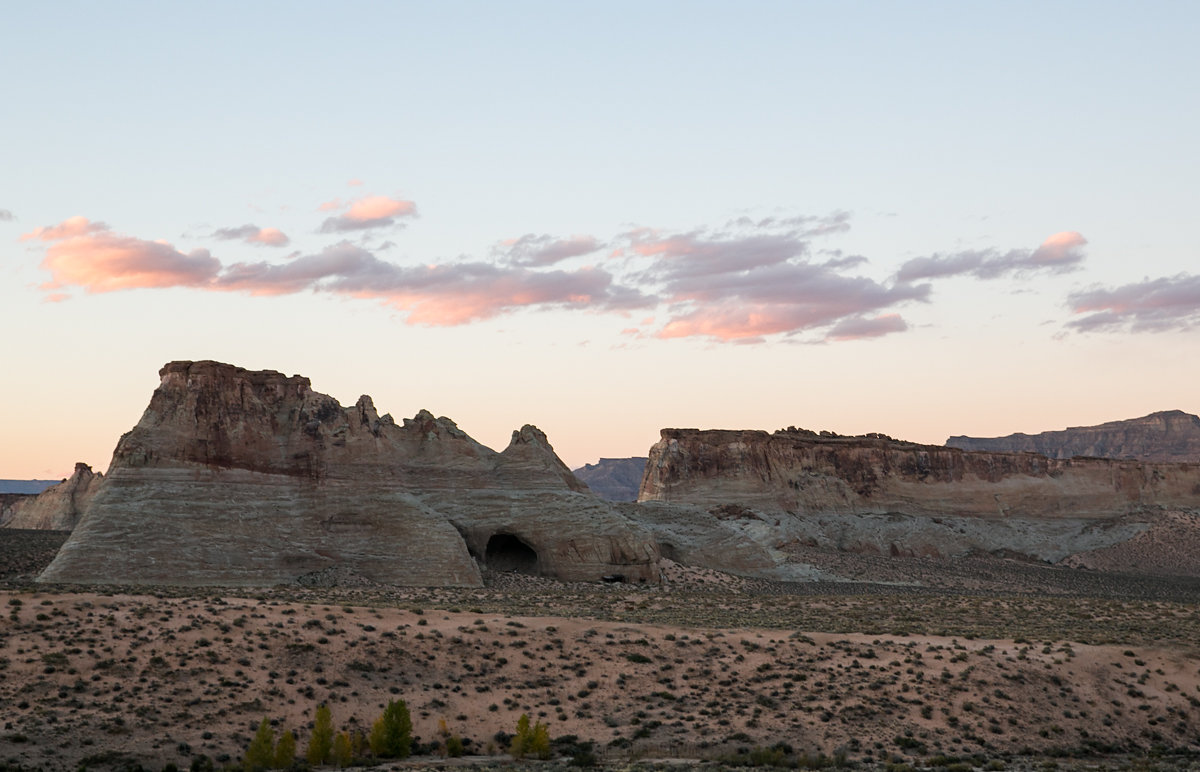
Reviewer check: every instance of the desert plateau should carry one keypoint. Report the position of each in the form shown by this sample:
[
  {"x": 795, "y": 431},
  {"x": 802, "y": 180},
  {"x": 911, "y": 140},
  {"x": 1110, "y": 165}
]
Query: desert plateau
[{"x": 256, "y": 551}]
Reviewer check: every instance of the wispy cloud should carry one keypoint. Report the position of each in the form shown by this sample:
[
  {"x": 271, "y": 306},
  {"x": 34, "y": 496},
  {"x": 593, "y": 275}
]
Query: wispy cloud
[
  {"x": 6, "y": 216},
  {"x": 857, "y": 328},
  {"x": 1151, "y": 305},
  {"x": 252, "y": 234},
  {"x": 747, "y": 280},
  {"x": 89, "y": 255},
  {"x": 1060, "y": 253},
  {"x": 539, "y": 250},
  {"x": 367, "y": 212}
]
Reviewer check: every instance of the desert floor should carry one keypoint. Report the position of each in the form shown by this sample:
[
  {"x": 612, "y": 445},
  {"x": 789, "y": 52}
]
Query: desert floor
[{"x": 704, "y": 667}]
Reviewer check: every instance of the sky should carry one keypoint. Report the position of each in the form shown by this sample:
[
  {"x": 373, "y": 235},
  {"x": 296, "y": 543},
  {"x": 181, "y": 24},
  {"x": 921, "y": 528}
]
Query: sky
[{"x": 604, "y": 219}]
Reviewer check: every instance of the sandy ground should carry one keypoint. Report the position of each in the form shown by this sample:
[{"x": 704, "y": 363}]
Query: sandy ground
[{"x": 162, "y": 679}]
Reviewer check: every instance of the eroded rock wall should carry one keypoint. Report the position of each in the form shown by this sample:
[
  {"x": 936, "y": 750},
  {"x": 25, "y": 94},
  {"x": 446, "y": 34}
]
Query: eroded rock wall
[{"x": 805, "y": 473}]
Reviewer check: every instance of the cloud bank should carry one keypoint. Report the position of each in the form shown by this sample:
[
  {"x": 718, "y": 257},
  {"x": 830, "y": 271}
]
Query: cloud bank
[
  {"x": 90, "y": 255},
  {"x": 745, "y": 281}
]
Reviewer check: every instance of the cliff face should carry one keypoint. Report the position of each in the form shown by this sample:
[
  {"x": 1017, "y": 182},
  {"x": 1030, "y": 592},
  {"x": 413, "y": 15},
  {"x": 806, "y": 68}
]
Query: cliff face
[
  {"x": 876, "y": 495},
  {"x": 614, "y": 479},
  {"x": 59, "y": 507},
  {"x": 1168, "y": 436},
  {"x": 237, "y": 477},
  {"x": 805, "y": 473}
]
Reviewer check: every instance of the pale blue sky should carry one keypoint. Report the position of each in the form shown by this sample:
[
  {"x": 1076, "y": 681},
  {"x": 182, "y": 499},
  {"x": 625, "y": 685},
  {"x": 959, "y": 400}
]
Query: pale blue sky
[{"x": 939, "y": 129}]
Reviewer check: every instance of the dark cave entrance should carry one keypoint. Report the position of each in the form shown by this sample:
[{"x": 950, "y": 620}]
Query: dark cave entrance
[{"x": 506, "y": 552}]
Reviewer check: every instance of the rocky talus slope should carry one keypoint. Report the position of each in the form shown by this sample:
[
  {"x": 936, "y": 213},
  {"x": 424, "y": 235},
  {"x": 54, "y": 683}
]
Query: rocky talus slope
[
  {"x": 59, "y": 507},
  {"x": 876, "y": 495},
  {"x": 1167, "y": 436},
  {"x": 238, "y": 477}
]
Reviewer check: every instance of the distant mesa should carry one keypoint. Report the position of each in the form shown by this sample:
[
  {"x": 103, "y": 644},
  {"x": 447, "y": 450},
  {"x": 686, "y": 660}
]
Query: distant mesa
[
  {"x": 614, "y": 479},
  {"x": 1171, "y": 435},
  {"x": 25, "y": 487}
]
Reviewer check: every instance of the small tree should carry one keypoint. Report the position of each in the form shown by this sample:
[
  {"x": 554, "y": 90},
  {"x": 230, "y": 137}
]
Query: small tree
[
  {"x": 454, "y": 746},
  {"x": 530, "y": 739},
  {"x": 285, "y": 750},
  {"x": 343, "y": 753},
  {"x": 539, "y": 743},
  {"x": 359, "y": 745},
  {"x": 320, "y": 745},
  {"x": 391, "y": 735},
  {"x": 521, "y": 740},
  {"x": 260, "y": 754}
]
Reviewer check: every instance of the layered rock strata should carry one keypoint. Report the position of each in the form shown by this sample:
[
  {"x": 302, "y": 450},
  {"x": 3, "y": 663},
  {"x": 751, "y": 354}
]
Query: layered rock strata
[
  {"x": 57, "y": 508},
  {"x": 237, "y": 477},
  {"x": 877, "y": 495},
  {"x": 1167, "y": 436}
]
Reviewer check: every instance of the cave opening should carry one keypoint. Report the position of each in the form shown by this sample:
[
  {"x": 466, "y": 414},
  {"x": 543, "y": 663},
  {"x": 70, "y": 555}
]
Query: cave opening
[{"x": 506, "y": 552}]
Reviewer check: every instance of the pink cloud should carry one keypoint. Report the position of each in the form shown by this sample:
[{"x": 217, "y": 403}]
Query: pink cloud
[
  {"x": 252, "y": 234},
  {"x": 89, "y": 255},
  {"x": 366, "y": 212},
  {"x": 1061, "y": 249},
  {"x": 70, "y": 227},
  {"x": 355, "y": 183},
  {"x": 271, "y": 237}
]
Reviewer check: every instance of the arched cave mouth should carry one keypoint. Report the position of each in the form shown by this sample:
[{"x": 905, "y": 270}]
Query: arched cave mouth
[{"x": 506, "y": 552}]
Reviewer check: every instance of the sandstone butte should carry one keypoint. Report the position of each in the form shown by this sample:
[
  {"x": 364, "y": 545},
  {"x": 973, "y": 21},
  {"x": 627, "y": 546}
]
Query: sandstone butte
[
  {"x": 1171, "y": 435},
  {"x": 238, "y": 477}
]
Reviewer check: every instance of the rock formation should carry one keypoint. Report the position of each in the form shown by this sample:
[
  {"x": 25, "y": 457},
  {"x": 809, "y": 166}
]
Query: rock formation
[
  {"x": 614, "y": 479},
  {"x": 1168, "y": 436},
  {"x": 878, "y": 495},
  {"x": 237, "y": 477},
  {"x": 59, "y": 507}
]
